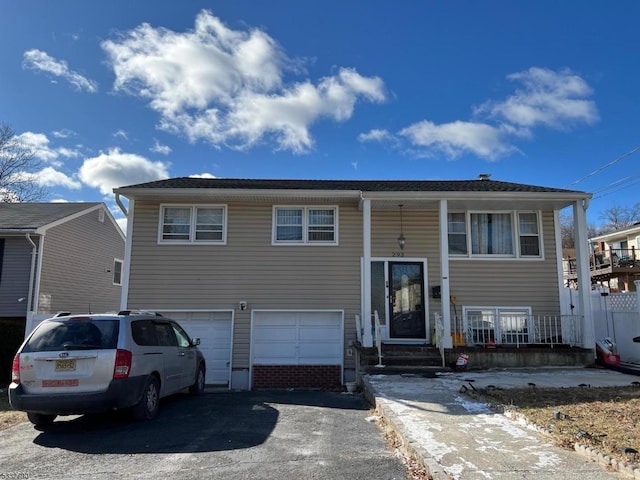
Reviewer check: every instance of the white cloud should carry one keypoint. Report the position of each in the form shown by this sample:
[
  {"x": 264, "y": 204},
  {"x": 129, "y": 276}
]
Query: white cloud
[
  {"x": 202, "y": 175},
  {"x": 375, "y": 135},
  {"x": 554, "y": 99},
  {"x": 457, "y": 138},
  {"x": 50, "y": 177},
  {"x": 547, "y": 98},
  {"x": 38, "y": 60},
  {"x": 115, "y": 169},
  {"x": 122, "y": 223},
  {"x": 64, "y": 133},
  {"x": 227, "y": 86},
  {"x": 40, "y": 145},
  {"x": 160, "y": 148},
  {"x": 121, "y": 133}
]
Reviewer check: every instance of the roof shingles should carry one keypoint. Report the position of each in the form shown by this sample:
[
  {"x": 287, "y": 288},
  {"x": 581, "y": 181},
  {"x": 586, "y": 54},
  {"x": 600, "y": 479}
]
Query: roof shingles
[
  {"x": 352, "y": 185},
  {"x": 30, "y": 216}
]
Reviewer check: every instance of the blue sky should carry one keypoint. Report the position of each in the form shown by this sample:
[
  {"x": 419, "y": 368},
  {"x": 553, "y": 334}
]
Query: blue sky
[{"x": 120, "y": 92}]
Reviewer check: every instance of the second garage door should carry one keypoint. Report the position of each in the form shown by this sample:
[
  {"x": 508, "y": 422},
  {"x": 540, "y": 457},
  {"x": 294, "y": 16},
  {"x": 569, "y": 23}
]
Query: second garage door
[{"x": 297, "y": 348}]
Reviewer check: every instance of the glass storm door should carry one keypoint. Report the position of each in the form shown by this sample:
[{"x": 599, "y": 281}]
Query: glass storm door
[{"x": 406, "y": 300}]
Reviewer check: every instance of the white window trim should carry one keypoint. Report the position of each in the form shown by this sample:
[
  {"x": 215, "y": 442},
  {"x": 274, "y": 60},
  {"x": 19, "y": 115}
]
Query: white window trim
[
  {"x": 121, "y": 262},
  {"x": 498, "y": 333},
  {"x": 192, "y": 224},
  {"x": 515, "y": 228},
  {"x": 305, "y": 226}
]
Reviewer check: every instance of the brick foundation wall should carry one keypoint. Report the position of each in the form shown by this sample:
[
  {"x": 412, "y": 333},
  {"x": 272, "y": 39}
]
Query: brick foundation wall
[{"x": 297, "y": 376}]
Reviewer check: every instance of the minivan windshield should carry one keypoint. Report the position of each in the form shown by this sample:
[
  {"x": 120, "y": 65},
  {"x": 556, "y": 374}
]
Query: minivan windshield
[{"x": 74, "y": 334}]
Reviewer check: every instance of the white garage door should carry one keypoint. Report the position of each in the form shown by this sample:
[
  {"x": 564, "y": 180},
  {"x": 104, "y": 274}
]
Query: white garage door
[
  {"x": 214, "y": 329},
  {"x": 297, "y": 338}
]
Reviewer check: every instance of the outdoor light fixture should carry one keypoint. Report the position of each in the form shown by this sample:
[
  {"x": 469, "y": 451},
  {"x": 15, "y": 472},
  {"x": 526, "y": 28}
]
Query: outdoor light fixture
[{"x": 401, "y": 238}]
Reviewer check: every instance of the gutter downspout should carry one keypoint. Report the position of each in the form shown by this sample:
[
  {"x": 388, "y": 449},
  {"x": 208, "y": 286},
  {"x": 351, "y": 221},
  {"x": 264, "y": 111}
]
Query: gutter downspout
[
  {"x": 121, "y": 205},
  {"x": 32, "y": 272},
  {"x": 126, "y": 267}
]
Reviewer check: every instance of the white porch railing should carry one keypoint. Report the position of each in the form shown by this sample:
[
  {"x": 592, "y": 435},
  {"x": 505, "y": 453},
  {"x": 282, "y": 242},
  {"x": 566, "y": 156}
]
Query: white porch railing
[
  {"x": 439, "y": 334},
  {"x": 376, "y": 333},
  {"x": 516, "y": 331},
  {"x": 377, "y": 336}
]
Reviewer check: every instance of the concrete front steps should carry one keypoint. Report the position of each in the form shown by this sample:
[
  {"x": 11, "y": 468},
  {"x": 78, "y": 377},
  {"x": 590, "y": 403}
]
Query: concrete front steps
[{"x": 399, "y": 359}]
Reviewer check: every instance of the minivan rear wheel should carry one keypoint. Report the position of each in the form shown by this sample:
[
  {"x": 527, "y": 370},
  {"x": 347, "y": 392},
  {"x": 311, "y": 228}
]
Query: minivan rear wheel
[
  {"x": 147, "y": 407},
  {"x": 198, "y": 387},
  {"x": 40, "y": 419}
]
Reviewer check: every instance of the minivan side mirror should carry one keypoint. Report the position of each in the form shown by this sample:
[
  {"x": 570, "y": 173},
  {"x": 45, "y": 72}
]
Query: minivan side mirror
[
  {"x": 195, "y": 342},
  {"x": 636, "y": 339}
]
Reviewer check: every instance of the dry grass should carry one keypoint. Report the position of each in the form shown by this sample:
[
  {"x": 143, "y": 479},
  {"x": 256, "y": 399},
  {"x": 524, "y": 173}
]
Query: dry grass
[
  {"x": 606, "y": 418},
  {"x": 8, "y": 416}
]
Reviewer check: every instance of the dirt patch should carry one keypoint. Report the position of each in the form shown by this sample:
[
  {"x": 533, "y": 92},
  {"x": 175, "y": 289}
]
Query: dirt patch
[
  {"x": 604, "y": 418},
  {"x": 8, "y": 416}
]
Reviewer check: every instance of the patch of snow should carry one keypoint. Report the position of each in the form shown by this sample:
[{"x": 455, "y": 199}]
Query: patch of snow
[{"x": 472, "y": 407}]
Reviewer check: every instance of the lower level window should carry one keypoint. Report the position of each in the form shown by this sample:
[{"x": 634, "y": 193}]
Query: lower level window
[{"x": 498, "y": 325}]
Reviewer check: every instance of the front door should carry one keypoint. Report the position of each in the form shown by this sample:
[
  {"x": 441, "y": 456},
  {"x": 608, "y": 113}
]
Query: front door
[{"x": 406, "y": 300}]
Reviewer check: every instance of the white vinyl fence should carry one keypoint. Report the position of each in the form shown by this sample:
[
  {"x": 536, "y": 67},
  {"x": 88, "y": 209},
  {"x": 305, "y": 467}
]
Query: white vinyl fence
[{"x": 615, "y": 316}]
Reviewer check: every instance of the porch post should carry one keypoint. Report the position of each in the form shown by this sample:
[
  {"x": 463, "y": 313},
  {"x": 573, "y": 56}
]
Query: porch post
[
  {"x": 584, "y": 279},
  {"x": 367, "y": 338},
  {"x": 447, "y": 341}
]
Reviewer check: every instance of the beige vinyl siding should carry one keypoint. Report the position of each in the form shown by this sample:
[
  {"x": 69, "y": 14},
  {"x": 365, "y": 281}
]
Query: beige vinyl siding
[
  {"x": 474, "y": 282},
  {"x": 421, "y": 229},
  {"x": 14, "y": 282},
  {"x": 522, "y": 283},
  {"x": 248, "y": 268},
  {"x": 75, "y": 260}
]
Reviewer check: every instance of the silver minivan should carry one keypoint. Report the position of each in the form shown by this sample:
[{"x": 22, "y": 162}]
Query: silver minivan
[{"x": 77, "y": 364}]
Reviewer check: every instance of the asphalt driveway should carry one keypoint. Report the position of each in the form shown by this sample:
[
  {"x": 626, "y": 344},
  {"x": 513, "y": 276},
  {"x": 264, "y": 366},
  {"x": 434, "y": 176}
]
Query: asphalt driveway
[{"x": 231, "y": 435}]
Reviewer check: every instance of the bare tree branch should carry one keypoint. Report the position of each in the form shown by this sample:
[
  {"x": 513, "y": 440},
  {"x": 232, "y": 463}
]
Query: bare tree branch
[{"x": 18, "y": 164}]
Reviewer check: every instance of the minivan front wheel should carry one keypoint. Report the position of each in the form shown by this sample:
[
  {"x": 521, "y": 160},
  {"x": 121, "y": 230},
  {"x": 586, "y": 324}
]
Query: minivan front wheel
[
  {"x": 40, "y": 419},
  {"x": 147, "y": 407},
  {"x": 198, "y": 386}
]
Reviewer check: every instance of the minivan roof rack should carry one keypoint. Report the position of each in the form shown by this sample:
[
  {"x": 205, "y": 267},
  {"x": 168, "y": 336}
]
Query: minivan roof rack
[{"x": 138, "y": 312}]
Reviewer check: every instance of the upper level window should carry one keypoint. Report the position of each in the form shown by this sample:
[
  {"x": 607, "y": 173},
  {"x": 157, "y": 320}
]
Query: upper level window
[
  {"x": 528, "y": 231},
  {"x": 305, "y": 225},
  {"x": 192, "y": 224},
  {"x": 491, "y": 234},
  {"x": 494, "y": 234}
]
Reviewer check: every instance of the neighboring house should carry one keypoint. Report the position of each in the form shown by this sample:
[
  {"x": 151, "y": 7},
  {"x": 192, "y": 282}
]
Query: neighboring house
[
  {"x": 59, "y": 257},
  {"x": 272, "y": 275},
  {"x": 615, "y": 261},
  {"x": 55, "y": 257}
]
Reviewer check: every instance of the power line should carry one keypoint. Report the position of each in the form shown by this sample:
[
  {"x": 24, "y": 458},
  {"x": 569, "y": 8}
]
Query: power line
[
  {"x": 619, "y": 185},
  {"x": 610, "y": 164}
]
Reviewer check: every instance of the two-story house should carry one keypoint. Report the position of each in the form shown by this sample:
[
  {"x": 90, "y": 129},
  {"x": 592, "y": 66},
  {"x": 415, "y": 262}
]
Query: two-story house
[
  {"x": 283, "y": 279},
  {"x": 615, "y": 261}
]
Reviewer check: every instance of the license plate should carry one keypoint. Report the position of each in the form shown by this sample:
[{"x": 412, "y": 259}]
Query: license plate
[
  {"x": 73, "y": 382},
  {"x": 68, "y": 365}
]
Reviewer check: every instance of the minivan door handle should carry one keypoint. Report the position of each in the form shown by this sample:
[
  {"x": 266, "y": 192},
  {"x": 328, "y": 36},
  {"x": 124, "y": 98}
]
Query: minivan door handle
[{"x": 181, "y": 354}]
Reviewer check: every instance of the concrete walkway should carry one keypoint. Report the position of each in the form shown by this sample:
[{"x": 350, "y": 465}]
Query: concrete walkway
[{"x": 456, "y": 437}]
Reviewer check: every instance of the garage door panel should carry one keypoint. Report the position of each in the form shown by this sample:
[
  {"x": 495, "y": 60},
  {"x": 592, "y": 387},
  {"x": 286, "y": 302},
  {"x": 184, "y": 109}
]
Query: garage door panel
[
  {"x": 215, "y": 330},
  {"x": 320, "y": 334},
  {"x": 316, "y": 321},
  {"x": 270, "y": 333},
  {"x": 328, "y": 350},
  {"x": 262, "y": 350}
]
